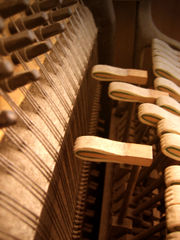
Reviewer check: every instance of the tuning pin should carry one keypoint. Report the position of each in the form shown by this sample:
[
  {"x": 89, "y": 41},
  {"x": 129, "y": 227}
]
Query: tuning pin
[
  {"x": 43, "y": 5},
  {"x": 11, "y": 7},
  {"x": 1, "y": 24},
  {"x": 16, "y": 41},
  {"x": 7, "y": 118},
  {"x": 6, "y": 69},
  {"x": 31, "y": 52},
  {"x": 28, "y": 22},
  {"x": 55, "y": 16},
  {"x": 19, "y": 80},
  {"x": 45, "y": 32},
  {"x": 67, "y": 3}
]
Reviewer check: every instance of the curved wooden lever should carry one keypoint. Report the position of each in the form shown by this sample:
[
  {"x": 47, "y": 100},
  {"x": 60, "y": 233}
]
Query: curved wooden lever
[
  {"x": 170, "y": 59},
  {"x": 172, "y": 196},
  {"x": 169, "y": 86},
  {"x": 173, "y": 236},
  {"x": 169, "y": 104},
  {"x": 172, "y": 175},
  {"x": 173, "y": 218},
  {"x": 170, "y": 145},
  {"x": 130, "y": 93},
  {"x": 161, "y": 48},
  {"x": 151, "y": 114},
  {"x": 97, "y": 149},
  {"x": 108, "y": 73},
  {"x": 168, "y": 126},
  {"x": 166, "y": 61},
  {"x": 165, "y": 68}
]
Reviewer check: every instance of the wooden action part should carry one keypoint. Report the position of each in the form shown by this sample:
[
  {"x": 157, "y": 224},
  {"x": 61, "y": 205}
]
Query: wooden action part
[
  {"x": 173, "y": 217},
  {"x": 161, "y": 48},
  {"x": 172, "y": 175},
  {"x": 97, "y": 149},
  {"x": 172, "y": 196},
  {"x": 168, "y": 126},
  {"x": 108, "y": 73},
  {"x": 166, "y": 69},
  {"x": 169, "y": 104},
  {"x": 170, "y": 145},
  {"x": 151, "y": 114},
  {"x": 166, "y": 61},
  {"x": 130, "y": 93},
  {"x": 169, "y": 86},
  {"x": 173, "y": 236}
]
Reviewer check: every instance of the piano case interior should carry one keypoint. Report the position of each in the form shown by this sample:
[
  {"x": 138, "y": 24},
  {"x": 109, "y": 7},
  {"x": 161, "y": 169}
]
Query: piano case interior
[{"x": 50, "y": 96}]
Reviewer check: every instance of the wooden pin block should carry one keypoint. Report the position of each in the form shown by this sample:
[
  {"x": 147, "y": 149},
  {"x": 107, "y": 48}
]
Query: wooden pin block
[
  {"x": 97, "y": 149},
  {"x": 173, "y": 236},
  {"x": 173, "y": 218},
  {"x": 130, "y": 93},
  {"x": 108, "y": 74},
  {"x": 172, "y": 195},
  {"x": 169, "y": 104},
  {"x": 172, "y": 175},
  {"x": 170, "y": 145},
  {"x": 168, "y": 126},
  {"x": 169, "y": 86},
  {"x": 151, "y": 114}
]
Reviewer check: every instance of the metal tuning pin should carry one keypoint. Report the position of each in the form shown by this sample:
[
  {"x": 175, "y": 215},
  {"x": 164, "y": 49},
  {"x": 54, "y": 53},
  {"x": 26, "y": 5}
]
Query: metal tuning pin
[
  {"x": 28, "y": 22},
  {"x": 43, "y": 5},
  {"x": 19, "y": 80},
  {"x": 6, "y": 68},
  {"x": 31, "y": 52},
  {"x": 1, "y": 24},
  {"x": 45, "y": 32},
  {"x": 11, "y": 7},
  {"x": 7, "y": 118},
  {"x": 67, "y": 3},
  {"x": 16, "y": 41},
  {"x": 55, "y": 16}
]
